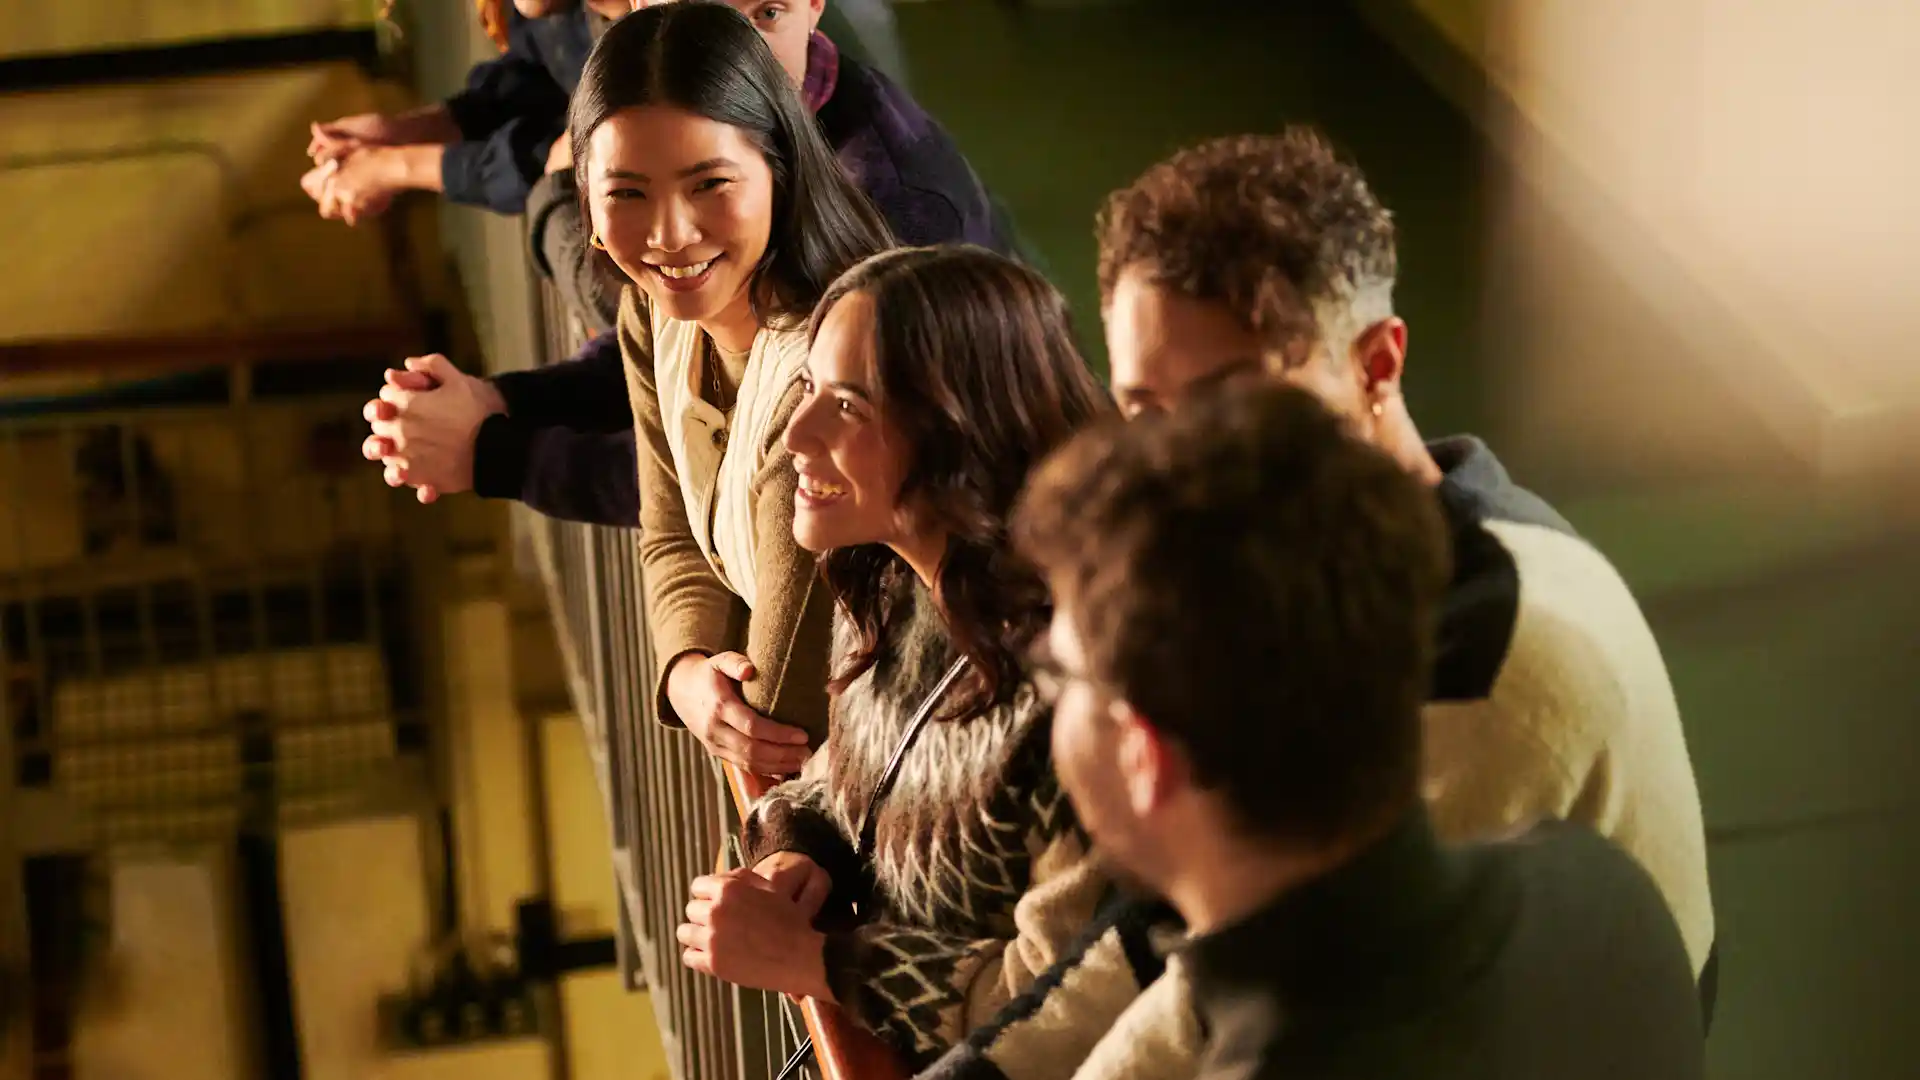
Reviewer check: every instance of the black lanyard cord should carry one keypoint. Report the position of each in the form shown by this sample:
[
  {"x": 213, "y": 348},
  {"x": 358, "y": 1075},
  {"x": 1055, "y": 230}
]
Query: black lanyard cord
[{"x": 870, "y": 817}]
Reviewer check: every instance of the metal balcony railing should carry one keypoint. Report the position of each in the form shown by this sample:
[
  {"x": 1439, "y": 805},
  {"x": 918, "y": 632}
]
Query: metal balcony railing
[
  {"x": 673, "y": 814},
  {"x": 209, "y": 623}
]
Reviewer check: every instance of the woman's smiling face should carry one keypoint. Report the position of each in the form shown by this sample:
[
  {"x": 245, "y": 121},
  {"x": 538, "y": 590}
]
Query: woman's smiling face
[
  {"x": 850, "y": 458},
  {"x": 684, "y": 206}
]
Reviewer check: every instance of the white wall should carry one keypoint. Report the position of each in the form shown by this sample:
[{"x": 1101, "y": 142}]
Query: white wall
[
  {"x": 169, "y": 1001},
  {"x": 611, "y": 1033},
  {"x": 356, "y": 917}
]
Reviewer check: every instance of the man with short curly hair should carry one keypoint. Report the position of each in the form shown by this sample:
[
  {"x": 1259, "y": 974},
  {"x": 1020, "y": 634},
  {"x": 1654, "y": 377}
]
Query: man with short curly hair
[
  {"x": 1269, "y": 257},
  {"x": 1250, "y": 255},
  {"x": 1277, "y": 229}
]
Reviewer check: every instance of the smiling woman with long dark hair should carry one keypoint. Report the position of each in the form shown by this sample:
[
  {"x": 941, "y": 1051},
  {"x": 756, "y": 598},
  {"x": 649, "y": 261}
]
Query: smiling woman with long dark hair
[
  {"x": 707, "y": 185},
  {"x": 937, "y": 379}
]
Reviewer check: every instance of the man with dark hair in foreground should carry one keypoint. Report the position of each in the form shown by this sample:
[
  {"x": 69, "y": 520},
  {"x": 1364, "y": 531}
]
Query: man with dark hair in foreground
[{"x": 1266, "y": 781}]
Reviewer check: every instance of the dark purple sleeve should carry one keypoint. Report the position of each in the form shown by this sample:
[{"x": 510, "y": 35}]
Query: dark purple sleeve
[
  {"x": 587, "y": 391},
  {"x": 565, "y": 445},
  {"x": 587, "y": 476}
]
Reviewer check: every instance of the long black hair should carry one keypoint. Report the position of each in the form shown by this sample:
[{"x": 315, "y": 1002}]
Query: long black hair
[
  {"x": 707, "y": 59},
  {"x": 975, "y": 365}
]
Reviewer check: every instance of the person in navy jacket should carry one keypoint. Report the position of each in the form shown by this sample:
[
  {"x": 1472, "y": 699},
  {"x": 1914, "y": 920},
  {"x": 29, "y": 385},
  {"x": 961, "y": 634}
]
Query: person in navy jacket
[{"x": 484, "y": 146}]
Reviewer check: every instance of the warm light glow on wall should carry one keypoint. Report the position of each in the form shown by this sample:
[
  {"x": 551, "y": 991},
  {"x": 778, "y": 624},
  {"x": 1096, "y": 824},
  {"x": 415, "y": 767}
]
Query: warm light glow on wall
[{"x": 1766, "y": 151}]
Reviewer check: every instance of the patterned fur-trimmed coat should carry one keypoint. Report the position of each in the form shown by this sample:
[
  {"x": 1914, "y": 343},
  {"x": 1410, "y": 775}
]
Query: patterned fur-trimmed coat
[{"x": 980, "y": 877}]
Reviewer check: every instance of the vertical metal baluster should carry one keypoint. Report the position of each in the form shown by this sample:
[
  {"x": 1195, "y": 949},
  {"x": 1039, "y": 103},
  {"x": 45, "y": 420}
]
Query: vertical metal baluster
[
  {"x": 190, "y": 752},
  {"x": 698, "y": 850},
  {"x": 30, "y": 614},
  {"x": 222, "y": 707},
  {"x": 330, "y": 748},
  {"x": 620, "y": 697},
  {"x": 15, "y": 933},
  {"x": 669, "y": 845},
  {"x": 656, "y": 852},
  {"x": 116, "y": 767},
  {"x": 619, "y": 752},
  {"x": 660, "y": 848},
  {"x": 259, "y": 794},
  {"x": 366, "y": 552}
]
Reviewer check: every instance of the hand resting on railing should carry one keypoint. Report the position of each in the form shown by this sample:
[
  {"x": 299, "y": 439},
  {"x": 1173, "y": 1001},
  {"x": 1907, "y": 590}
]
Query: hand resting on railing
[
  {"x": 798, "y": 878},
  {"x": 842, "y": 1049},
  {"x": 746, "y": 930}
]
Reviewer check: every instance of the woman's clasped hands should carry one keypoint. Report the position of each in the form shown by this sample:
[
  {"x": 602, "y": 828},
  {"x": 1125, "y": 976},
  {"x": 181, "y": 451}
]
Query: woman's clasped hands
[{"x": 754, "y": 928}]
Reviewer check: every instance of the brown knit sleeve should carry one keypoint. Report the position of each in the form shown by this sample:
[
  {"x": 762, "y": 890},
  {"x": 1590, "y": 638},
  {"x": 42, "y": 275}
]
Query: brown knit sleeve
[
  {"x": 795, "y": 816},
  {"x": 924, "y": 990},
  {"x": 689, "y": 609},
  {"x": 790, "y": 635}
]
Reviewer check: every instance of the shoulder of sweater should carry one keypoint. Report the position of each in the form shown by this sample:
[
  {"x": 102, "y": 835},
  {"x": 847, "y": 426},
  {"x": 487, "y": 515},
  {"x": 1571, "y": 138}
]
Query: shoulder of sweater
[
  {"x": 916, "y": 655},
  {"x": 1564, "y": 655},
  {"x": 783, "y": 356},
  {"x": 773, "y": 439},
  {"x": 635, "y": 321},
  {"x": 1576, "y": 618},
  {"x": 1576, "y": 876},
  {"x": 1158, "y": 1034},
  {"x": 1523, "y": 585},
  {"x": 1569, "y": 561},
  {"x": 916, "y": 635}
]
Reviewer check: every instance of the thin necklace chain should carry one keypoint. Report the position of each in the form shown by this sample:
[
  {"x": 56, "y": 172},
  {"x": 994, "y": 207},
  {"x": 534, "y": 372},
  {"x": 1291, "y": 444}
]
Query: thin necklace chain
[{"x": 713, "y": 378}]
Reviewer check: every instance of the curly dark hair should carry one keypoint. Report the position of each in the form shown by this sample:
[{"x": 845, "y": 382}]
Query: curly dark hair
[
  {"x": 975, "y": 365},
  {"x": 1272, "y": 226},
  {"x": 1262, "y": 587}
]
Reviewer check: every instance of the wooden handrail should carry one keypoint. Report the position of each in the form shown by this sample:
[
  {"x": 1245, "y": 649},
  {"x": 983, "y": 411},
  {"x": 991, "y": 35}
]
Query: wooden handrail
[
  {"x": 211, "y": 349},
  {"x": 842, "y": 1049}
]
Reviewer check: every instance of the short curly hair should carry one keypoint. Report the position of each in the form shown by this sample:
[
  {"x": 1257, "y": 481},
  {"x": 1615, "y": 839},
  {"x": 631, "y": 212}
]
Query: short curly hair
[
  {"x": 1279, "y": 228},
  {"x": 1264, "y": 587}
]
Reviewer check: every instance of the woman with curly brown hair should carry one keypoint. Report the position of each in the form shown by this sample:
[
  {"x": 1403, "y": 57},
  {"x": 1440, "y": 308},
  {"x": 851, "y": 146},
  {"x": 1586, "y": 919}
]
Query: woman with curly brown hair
[{"x": 938, "y": 377}]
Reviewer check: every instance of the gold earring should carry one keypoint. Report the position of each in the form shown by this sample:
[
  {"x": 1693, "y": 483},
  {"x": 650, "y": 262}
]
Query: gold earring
[
  {"x": 1379, "y": 409},
  {"x": 594, "y": 239}
]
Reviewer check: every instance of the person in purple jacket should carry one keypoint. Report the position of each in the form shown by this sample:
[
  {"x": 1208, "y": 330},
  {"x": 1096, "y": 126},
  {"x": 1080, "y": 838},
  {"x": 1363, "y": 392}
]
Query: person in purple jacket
[{"x": 560, "y": 438}]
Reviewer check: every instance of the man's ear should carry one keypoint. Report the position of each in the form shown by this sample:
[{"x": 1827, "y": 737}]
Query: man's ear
[
  {"x": 1380, "y": 357},
  {"x": 1152, "y": 767}
]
